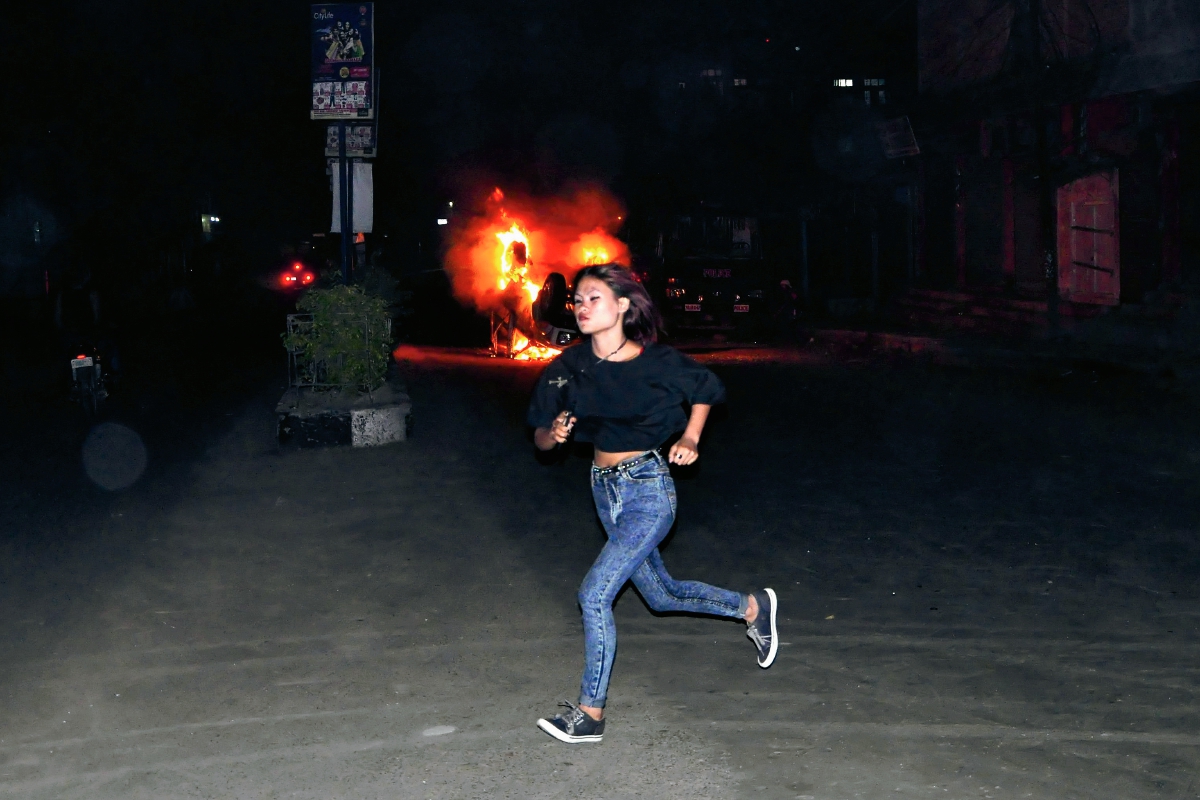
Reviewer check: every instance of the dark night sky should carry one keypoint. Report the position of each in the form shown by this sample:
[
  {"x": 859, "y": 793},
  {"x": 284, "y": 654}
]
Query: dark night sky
[{"x": 128, "y": 111}]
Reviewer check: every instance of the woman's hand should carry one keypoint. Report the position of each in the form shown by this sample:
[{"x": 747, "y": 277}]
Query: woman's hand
[
  {"x": 561, "y": 429},
  {"x": 558, "y": 432},
  {"x": 684, "y": 452},
  {"x": 687, "y": 449}
]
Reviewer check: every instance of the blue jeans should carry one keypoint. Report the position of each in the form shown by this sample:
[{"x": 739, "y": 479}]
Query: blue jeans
[{"x": 637, "y": 508}]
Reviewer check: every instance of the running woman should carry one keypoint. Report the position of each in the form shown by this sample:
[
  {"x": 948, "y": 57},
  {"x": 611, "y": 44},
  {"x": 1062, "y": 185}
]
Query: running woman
[{"x": 625, "y": 393}]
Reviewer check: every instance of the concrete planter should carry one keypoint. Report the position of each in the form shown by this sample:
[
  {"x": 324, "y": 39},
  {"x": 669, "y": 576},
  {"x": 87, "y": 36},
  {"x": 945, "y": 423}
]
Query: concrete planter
[{"x": 316, "y": 419}]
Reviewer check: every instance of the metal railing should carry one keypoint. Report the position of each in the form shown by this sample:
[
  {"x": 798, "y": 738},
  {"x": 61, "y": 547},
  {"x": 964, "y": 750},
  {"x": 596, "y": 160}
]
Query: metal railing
[{"x": 308, "y": 373}]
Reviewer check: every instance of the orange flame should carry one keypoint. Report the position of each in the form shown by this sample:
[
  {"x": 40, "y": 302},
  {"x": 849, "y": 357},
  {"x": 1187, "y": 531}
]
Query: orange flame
[
  {"x": 524, "y": 350},
  {"x": 518, "y": 241},
  {"x": 592, "y": 248},
  {"x": 514, "y": 261}
]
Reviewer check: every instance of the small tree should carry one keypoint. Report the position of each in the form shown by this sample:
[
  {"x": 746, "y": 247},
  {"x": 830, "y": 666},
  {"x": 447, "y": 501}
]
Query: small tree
[{"x": 345, "y": 341}]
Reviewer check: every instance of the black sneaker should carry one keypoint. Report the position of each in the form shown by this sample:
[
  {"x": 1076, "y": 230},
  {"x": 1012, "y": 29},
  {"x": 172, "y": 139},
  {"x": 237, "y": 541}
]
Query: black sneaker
[
  {"x": 575, "y": 727},
  {"x": 763, "y": 631}
]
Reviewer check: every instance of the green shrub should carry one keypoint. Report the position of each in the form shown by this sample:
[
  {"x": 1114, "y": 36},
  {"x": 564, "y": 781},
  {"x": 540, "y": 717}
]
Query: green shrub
[{"x": 348, "y": 342}]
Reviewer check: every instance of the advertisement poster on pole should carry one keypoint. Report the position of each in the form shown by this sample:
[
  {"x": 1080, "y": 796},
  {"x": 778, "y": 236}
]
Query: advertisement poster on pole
[
  {"x": 360, "y": 141},
  {"x": 343, "y": 52}
]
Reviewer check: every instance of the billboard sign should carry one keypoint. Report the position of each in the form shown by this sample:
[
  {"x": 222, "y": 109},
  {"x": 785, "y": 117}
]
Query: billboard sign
[{"x": 343, "y": 52}]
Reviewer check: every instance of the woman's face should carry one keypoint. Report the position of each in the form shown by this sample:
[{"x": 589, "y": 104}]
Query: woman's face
[{"x": 597, "y": 309}]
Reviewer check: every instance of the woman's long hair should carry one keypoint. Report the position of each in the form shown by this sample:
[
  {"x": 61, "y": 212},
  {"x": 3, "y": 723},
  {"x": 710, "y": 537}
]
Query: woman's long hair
[{"x": 642, "y": 321}]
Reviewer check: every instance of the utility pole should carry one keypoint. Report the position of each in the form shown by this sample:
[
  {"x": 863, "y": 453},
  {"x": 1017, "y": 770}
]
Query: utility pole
[
  {"x": 345, "y": 175},
  {"x": 1035, "y": 69}
]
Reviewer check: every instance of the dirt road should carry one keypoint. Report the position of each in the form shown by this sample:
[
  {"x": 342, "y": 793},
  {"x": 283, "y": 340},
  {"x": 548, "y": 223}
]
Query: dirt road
[{"x": 988, "y": 583}]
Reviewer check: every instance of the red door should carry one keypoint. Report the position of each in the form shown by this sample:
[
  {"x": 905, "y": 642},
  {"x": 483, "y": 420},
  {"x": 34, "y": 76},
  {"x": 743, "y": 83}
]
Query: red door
[{"x": 1089, "y": 244}]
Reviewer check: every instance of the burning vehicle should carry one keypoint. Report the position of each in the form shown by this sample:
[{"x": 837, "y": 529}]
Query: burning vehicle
[{"x": 512, "y": 258}]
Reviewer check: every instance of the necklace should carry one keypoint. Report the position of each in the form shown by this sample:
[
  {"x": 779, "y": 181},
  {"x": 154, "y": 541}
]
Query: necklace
[{"x": 613, "y": 353}]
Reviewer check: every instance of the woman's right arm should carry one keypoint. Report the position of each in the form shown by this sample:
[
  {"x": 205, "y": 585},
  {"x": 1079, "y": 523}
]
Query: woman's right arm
[{"x": 558, "y": 432}]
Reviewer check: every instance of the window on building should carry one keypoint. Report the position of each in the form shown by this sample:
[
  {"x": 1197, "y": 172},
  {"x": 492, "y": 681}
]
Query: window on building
[
  {"x": 882, "y": 97},
  {"x": 867, "y": 97},
  {"x": 739, "y": 81},
  {"x": 842, "y": 83}
]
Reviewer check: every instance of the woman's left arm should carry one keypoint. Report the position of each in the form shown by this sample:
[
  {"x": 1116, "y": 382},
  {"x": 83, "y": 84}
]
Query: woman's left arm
[{"x": 687, "y": 449}]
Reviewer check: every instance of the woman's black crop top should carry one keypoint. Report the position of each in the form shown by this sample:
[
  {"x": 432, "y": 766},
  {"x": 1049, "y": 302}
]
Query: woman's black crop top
[{"x": 623, "y": 406}]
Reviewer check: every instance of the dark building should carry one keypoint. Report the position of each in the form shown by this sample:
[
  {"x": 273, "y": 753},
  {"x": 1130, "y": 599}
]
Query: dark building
[{"x": 1060, "y": 156}]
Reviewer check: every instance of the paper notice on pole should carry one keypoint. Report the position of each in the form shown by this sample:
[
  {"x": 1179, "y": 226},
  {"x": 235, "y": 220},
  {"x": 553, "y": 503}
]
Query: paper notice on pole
[
  {"x": 362, "y": 211},
  {"x": 360, "y": 141}
]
